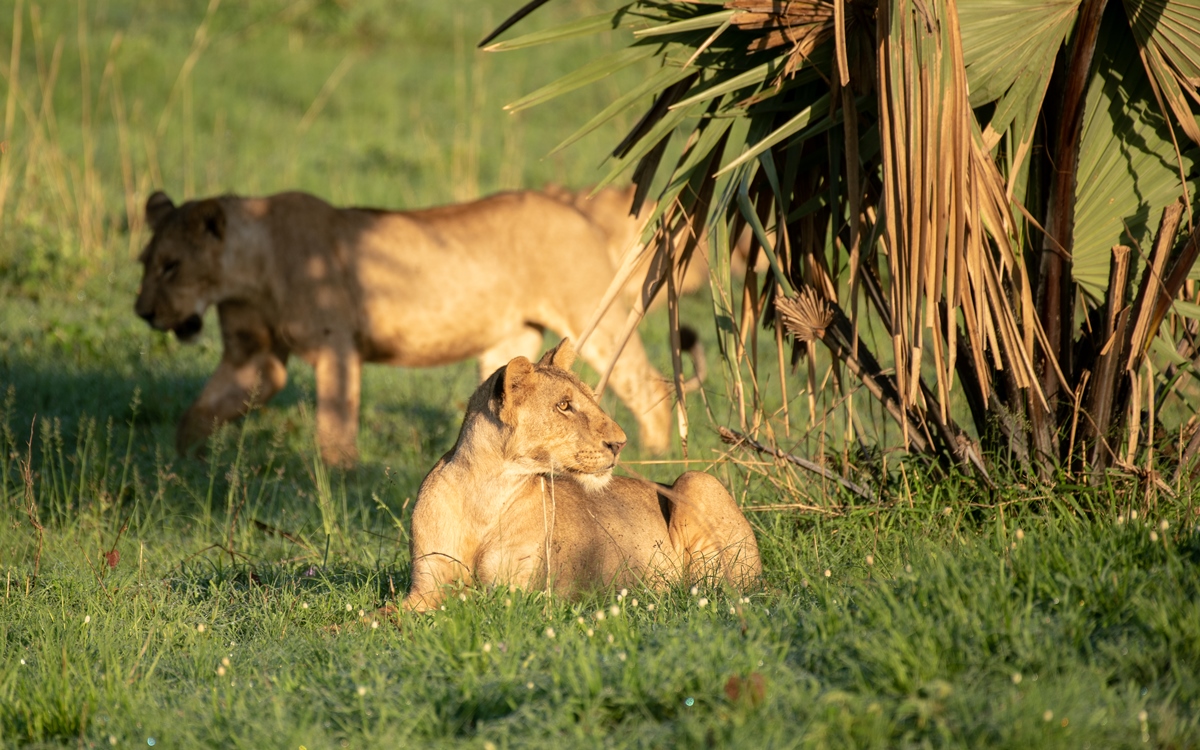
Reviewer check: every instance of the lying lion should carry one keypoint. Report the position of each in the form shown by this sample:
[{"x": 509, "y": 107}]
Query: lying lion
[
  {"x": 527, "y": 493},
  {"x": 290, "y": 273}
]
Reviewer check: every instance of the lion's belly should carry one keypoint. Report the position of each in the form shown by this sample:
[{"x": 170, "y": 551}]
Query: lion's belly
[
  {"x": 424, "y": 333},
  {"x": 440, "y": 289},
  {"x": 422, "y": 320}
]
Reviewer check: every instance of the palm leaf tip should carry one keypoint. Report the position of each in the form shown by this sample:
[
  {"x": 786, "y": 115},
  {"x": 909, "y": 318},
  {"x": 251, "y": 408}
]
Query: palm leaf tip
[{"x": 511, "y": 21}]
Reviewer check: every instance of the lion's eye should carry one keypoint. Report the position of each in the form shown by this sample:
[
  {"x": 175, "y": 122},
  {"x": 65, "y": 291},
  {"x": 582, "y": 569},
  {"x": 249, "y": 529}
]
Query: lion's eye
[
  {"x": 564, "y": 405},
  {"x": 170, "y": 267}
]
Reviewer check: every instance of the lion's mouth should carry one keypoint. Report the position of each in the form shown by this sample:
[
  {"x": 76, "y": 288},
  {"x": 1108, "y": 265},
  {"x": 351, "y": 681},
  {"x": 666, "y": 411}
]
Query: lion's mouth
[{"x": 189, "y": 328}]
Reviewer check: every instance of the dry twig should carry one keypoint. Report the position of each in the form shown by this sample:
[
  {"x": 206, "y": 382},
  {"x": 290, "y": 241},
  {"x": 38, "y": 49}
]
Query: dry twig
[{"x": 736, "y": 438}]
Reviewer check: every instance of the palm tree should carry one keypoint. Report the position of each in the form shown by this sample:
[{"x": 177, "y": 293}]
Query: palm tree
[{"x": 1005, "y": 187}]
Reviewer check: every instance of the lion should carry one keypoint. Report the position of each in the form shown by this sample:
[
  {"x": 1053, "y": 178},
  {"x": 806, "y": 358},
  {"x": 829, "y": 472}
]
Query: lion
[
  {"x": 610, "y": 209},
  {"x": 527, "y": 498},
  {"x": 339, "y": 287}
]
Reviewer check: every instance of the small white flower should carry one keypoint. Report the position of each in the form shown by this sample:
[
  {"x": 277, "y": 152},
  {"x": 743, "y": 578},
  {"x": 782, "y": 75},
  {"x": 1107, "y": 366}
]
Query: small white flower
[
  {"x": 1048, "y": 715},
  {"x": 610, "y": 638},
  {"x": 374, "y": 624},
  {"x": 507, "y": 603},
  {"x": 304, "y": 605},
  {"x": 1143, "y": 716},
  {"x": 870, "y": 560},
  {"x": 550, "y": 633},
  {"x": 487, "y": 648},
  {"x": 349, "y": 608},
  {"x": 590, "y": 632},
  {"x": 22, "y": 661},
  {"x": 695, "y": 590},
  {"x": 703, "y": 602},
  {"x": 200, "y": 628},
  {"x": 225, "y": 661},
  {"x": 1133, "y": 515},
  {"x": 732, "y": 611},
  {"x": 220, "y": 671},
  {"x": 908, "y": 568},
  {"x": 828, "y": 572},
  {"x": 362, "y": 690},
  {"x": 462, "y": 597},
  {"x": 1154, "y": 536},
  {"x": 650, "y": 607},
  {"x": 1164, "y": 525},
  {"x": 599, "y": 615},
  {"x": 946, "y": 511},
  {"x": 1020, "y": 535},
  {"x": 529, "y": 686},
  {"x": 633, "y": 602},
  {"x": 361, "y": 613},
  {"x": 112, "y": 739},
  {"x": 580, "y": 620},
  {"x": 1016, "y": 678},
  {"x": 88, "y": 618},
  {"x": 621, "y": 656},
  {"x": 614, "y": 610}
]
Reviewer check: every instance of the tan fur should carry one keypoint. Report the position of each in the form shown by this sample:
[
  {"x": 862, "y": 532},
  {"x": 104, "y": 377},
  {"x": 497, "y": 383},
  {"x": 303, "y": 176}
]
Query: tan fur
[
  {"x": 527, "y": 493},
  {"x": 610, "y": 208},
  {"x": 339, "y": 287}
]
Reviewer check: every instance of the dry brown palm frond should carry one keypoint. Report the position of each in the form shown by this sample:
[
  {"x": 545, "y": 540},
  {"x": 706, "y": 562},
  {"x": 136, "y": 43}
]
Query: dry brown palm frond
[
  {"x": 804, "y": 24},
  {"x": 949, "y": 226},
  {"x": 806, "y": 315}
]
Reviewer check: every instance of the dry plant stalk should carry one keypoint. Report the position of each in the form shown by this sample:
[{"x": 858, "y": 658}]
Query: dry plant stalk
[{"x": 26, "y": 467}]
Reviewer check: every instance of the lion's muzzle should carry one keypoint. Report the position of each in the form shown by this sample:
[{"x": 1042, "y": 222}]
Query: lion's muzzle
[{"x": 189, "y": 328}]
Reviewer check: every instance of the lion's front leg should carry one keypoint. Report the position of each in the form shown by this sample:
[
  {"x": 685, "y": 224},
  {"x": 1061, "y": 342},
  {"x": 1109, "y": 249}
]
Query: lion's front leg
[
  {"x": 339, "y": 380},
  {"x": 431, "y": 573},
  {"x": 441, "y": 554},
  {"x": 252, "y": 370}
]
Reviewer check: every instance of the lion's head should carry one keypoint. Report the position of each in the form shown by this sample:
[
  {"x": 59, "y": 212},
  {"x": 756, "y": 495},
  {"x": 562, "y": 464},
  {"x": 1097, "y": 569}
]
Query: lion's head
[
  {"x": 551, "y": 423},
  {"x": 181, "y": 263}
]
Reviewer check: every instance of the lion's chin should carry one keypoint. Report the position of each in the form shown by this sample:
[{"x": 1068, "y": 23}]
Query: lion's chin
[{"x": 594, "y": 482}]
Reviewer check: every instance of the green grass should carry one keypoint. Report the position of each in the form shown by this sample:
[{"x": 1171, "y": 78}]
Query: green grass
[{"x": 938, "y": 624}]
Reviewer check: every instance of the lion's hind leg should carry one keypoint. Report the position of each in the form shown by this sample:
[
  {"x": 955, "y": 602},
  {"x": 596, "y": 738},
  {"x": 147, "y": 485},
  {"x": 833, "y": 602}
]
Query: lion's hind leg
[
  {"x": 709, "y": 531},
  {"x": 642, "y": 388}
]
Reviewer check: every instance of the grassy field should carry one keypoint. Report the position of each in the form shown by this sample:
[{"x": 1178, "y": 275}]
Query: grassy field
[{"x": 153, "y": 601}]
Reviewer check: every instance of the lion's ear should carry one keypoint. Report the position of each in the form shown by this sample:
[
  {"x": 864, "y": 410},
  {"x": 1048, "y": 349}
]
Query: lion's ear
[
  {"x": 515, "y": 373},
  {"x": 561, "y": 356},
  {"x": 158, "y": 207},
  {"x": 208, "y": 216}
]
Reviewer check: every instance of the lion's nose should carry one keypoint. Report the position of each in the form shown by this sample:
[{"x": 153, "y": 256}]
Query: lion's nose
[{"x": 615, "y": 446}]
